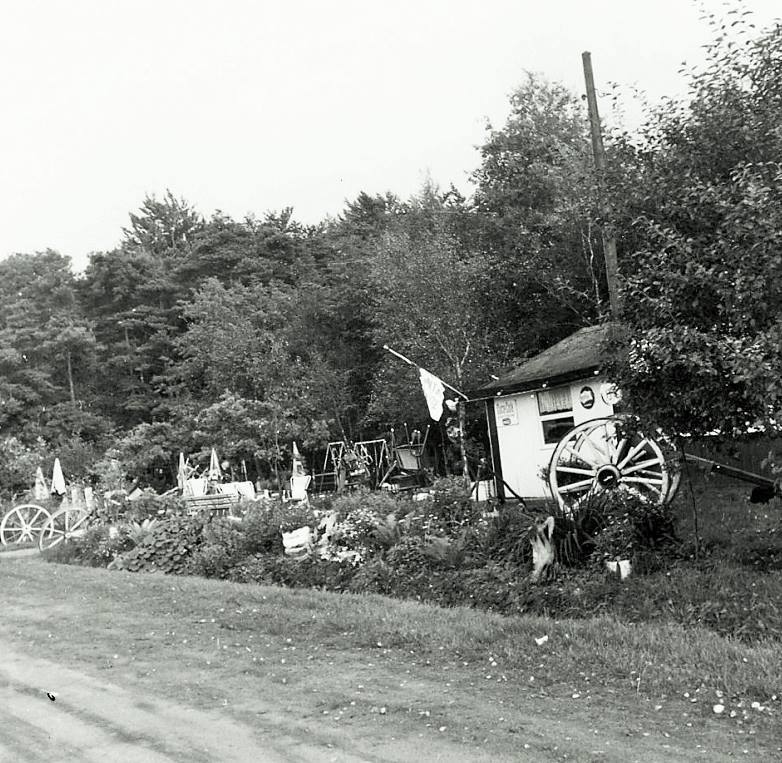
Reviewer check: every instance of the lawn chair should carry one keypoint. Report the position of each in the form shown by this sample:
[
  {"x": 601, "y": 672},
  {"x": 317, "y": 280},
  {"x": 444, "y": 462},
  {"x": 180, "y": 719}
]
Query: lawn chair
[
  {"x": 299, "y": 485},
  {"x": 407, "y": 469}
]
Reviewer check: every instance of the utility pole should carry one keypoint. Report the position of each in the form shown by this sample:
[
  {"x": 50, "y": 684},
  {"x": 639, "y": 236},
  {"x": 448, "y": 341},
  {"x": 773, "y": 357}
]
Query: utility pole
[{"x": 609, "y": 241}]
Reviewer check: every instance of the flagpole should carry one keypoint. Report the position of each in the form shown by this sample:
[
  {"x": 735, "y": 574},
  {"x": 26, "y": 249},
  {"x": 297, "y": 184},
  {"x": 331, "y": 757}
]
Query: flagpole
[{"x": 415, "y": 365}]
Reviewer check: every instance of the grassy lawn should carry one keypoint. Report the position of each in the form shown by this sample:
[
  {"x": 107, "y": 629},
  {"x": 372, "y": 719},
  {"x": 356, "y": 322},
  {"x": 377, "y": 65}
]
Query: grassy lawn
[{"x": 383, "y": 666}]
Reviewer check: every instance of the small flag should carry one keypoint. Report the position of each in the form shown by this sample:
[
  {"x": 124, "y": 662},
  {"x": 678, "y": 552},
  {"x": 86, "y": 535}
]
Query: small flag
[
  {"x": 181, "y": 473},
  {"x": 41, "y": 489},
  {"x": 298, "y": 466},
  {"x": 214, "y": 474},
  {"x": 434, "y": 391},
  {"x": 58, "y": 480}
]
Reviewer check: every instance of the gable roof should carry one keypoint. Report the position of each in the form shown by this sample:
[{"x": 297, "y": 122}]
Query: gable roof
[{"x": 575, "y": 356}]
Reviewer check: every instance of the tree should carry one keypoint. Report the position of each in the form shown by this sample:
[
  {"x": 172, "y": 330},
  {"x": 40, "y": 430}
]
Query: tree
[
  {"x": 536, "y": 218},
  {"x": 699, "y": 197},
  {"x": 131, "y": 296},
  {"x": 164, "y": 227},
  {"x": 239, "y": 376},
  {"x": 48, "y": 359},
  {"x": 428, "y": 292}
]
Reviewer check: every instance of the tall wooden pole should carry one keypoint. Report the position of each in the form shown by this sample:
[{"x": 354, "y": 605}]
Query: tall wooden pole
[{"x": 609, "y": 241}]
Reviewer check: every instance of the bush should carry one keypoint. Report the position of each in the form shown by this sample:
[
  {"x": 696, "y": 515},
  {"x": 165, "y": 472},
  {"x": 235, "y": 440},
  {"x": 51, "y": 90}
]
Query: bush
[
  {"x": 270, "y": 569},
  {"x": 264, "y": 522},
  {"x": 449, "y": 511},
  {"x": 18, "y": 462},
  {"x": 367, "y": 523},
  {"x": 506, "y": 540},
  {"x": 166, "y": 548},
  {"x": 632, "y": 527},
  {"x": 98, "y": 547},
  {"x": 376, "y": 576},
  {"x": 221, "y": 546}
]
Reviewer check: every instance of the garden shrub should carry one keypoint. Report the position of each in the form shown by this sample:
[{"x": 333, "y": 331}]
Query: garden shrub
[
  {"x": 376, "y": 576},
  {"x": 632, "y": 527},
  {"x": 506, "y": 540},
  {"x": 368, "y": 523},
  {"x": 166, "y": 548},
  {"x": 290, "y": 516},
  {"x": 97, "y": 547},
  {"x": 271, "y": 569},
  {"x": 447, "y": 513},
  {"x": 263, "y": 523},
  {"x": 409, "y": 555},
  {"x": 18, "y": 460},
  {"x": 210, "y": 560},
  {"x": 252, "y": 569},
  {"x": 221, "y": 546}
]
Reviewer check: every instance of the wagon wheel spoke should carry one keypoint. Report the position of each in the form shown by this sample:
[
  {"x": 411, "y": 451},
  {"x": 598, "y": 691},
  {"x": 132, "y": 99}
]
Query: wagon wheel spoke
[
  {"x": 643, "y": 480},
  {"x": 39, "y": 512},
  {"x": 643, "y": 465},
  {"x": 635, "y": 451},
  {"x": 609, "y": 436},
  {"x": 649, "y": 473},
  {"x": 51, "y": 535},
  {"x": 576, "y": 486},
  {"x": 581, "y": 457},
  {"x": 619, "y": 450},
  {"x": 586, "y": 439},
  {"x": 576, "y": 470},
  {"x": 51, "y": 540},
  {"x": 76, "y": 523}
]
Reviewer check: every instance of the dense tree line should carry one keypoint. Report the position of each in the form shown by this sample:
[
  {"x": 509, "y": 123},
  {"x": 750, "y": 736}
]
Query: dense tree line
[{"x": 198, "y": 332}]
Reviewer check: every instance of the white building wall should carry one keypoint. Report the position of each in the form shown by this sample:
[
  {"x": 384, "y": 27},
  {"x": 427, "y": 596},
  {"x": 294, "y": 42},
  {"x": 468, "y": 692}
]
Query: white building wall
[{"x": 522, "y": 450}]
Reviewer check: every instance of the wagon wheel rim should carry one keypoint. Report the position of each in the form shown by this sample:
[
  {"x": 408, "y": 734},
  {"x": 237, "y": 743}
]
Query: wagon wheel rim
[
  {"x": 23, "y": 524},
  {"x": 63, "y": 525},
  {"x": 598, "y": 456}
]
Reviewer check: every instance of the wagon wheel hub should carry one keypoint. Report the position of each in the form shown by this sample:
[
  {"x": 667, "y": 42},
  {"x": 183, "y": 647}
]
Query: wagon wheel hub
[{"x": 608, "y": 476}]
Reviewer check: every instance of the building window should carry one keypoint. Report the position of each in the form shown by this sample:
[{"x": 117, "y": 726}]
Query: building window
[{"x": 556, "y": 413}]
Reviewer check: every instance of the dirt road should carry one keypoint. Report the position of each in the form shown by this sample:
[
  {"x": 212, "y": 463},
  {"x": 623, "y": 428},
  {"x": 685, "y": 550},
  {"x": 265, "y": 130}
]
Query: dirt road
[
  {"x": 165, "y": 700},
  {"x": 60, "y": 714}
]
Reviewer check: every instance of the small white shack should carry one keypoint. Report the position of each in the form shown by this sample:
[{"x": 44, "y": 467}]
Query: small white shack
[{"x": 530, "y": 407}]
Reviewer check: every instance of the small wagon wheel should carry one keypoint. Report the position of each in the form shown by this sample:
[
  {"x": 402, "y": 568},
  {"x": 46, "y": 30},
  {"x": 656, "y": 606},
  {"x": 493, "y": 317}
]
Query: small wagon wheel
[
  {"x": 602, "y": 455},
  {"x": 23, "y": 524},
  {"x": 63, "y": 525}
]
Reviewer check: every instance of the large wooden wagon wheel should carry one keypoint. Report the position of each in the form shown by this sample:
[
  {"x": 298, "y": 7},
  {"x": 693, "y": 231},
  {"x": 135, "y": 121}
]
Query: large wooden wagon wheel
[
  {"x": 22, "y": 524},
  {"x": 609, "y": 455},
  {"x": 63, "y": 525}
]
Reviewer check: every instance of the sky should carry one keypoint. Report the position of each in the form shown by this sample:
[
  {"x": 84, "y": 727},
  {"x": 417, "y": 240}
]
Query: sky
[{"x": 248, "y": 106}]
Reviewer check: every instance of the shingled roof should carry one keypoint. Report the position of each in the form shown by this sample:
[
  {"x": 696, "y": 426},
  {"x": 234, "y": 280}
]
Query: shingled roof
[{"x": 576, "y": 355}]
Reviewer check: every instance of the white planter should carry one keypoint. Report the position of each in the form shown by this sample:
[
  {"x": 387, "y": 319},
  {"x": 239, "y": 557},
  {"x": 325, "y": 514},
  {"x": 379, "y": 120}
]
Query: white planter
[{"x": 623, "y": 568}]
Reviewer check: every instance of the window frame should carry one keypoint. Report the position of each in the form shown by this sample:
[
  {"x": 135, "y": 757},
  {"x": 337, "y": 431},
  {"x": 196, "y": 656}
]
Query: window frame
[{"x": 565, "y": 415}]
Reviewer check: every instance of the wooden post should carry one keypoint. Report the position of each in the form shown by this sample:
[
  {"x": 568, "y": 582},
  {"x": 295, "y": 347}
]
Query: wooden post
[{"x": 609, "y": 241}]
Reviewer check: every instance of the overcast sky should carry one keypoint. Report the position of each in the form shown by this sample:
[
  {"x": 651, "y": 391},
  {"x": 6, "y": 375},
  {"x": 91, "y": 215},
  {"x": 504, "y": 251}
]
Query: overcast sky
[{"x": 249, "y": 106}]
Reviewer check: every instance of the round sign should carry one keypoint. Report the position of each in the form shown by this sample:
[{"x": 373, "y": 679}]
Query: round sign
[
  {"x": 611, "y": 394},
  {"x": 586, "y": 397}
]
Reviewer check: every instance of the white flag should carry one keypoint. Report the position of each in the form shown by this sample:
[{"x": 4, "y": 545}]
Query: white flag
[
  {"x": 58, "y": 480},
  {"x": 434, "y": 391},
  {"x": 41, "y": 489}
]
